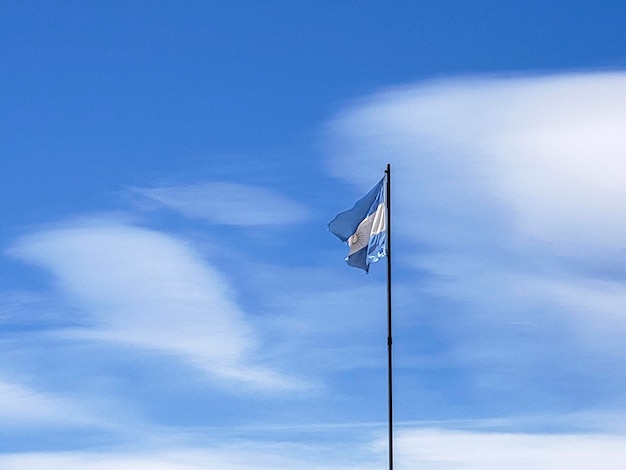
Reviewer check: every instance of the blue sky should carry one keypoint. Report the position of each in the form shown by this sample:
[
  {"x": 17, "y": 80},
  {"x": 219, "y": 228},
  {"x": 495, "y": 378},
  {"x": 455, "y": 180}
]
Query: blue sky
[{"x": 170, "y": 297}]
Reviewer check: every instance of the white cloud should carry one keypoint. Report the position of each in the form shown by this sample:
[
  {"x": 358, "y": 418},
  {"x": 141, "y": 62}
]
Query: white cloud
[
  {"x": 543, "y": 155},
  {"x": 228, "y": 203},
  {"x": 511, "y": 190},
  {"x": 460, "y": 450},
  {"x": 23, "y": 406},
  {"x": 419, "y": 449},
  {"x": 150, "y": 290},
  {"x": 241, "y": 455}
]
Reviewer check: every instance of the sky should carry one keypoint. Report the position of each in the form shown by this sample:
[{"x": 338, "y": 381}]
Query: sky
[{"x": 171, "y": 298}]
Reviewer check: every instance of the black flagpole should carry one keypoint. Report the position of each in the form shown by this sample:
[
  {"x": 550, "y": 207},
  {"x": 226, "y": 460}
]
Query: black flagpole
[{"x": 389, "y": 340}]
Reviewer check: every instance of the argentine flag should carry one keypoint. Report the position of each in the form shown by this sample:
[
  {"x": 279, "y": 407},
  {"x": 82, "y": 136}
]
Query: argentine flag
[{"x": 364, "y": 228}]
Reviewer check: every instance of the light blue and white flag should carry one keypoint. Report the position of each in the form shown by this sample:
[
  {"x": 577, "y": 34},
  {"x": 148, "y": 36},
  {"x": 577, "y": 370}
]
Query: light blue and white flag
[{"x": 364, "y": 228}]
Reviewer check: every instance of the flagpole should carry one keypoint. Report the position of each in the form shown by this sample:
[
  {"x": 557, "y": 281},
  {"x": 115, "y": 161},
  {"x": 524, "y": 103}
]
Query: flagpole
[{"x": 389, "y": 336}]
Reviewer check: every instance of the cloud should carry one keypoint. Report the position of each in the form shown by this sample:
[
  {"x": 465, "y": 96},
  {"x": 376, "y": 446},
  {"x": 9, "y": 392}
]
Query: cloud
[
  {"x": 23, "y": 406},
  {"x": 508, "y": 203},
  {"x": 520, "y": 179},
  {"x": 414, "y": 449},
  {"x": 150, "y": 290},
  {"x": 539, "y": 156},
  {"x": 238, "y": 455},
  {"x": 462, "y": 450},
  {"x": 228, "y": 203}
]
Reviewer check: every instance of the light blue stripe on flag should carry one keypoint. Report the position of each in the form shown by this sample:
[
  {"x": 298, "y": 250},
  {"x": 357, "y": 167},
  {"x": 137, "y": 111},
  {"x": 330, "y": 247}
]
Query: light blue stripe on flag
[{"x": 364, "y": 228}]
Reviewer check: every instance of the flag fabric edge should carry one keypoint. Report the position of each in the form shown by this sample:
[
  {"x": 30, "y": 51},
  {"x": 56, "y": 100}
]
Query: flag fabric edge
[{"x": 364, "y": 228}]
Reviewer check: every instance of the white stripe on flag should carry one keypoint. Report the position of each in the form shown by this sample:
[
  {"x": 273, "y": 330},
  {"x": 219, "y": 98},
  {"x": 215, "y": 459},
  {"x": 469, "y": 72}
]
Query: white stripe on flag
[{"x": 373, "y": 224}]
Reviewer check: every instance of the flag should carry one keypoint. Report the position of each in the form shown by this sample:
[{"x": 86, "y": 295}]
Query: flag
[{"x": 364, "y": 228}]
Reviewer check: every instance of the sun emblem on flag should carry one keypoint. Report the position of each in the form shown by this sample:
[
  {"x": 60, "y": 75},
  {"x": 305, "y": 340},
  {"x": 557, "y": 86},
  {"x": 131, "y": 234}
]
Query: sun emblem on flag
[
  {"x": 360, "y": 238},
  {"x": 354, "y": 239}
]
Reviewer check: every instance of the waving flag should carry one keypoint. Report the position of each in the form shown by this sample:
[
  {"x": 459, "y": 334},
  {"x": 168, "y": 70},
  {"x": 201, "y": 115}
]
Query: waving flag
[{"x": 364, "y": 228}]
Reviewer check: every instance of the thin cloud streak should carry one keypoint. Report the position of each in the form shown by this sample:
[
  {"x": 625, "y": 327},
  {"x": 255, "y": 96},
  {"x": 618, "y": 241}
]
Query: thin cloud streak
[
  {"x": 21, "y": 406},
  {"x": 423, "y": 448},
  {"x": 237, "y": 455},
  {"x": 228, "y": 203},
  {"x": 150, "y": 290}
]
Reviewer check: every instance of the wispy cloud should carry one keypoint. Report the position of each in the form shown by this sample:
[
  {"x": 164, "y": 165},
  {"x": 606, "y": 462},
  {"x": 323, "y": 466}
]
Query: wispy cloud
[
  {"x": 150, "y": 290},
  {"x": 509, "y": 201},
  {"x": 23, "y": 406},
  {"x": 539, "y": 156},
  {"x": 522, "y": 175},
  {"x": 228, "y": 203},
  {"x": 227, "y": 455},
  {"x": 424, "y": 448},
  {"x": 462, "y": 450}
]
